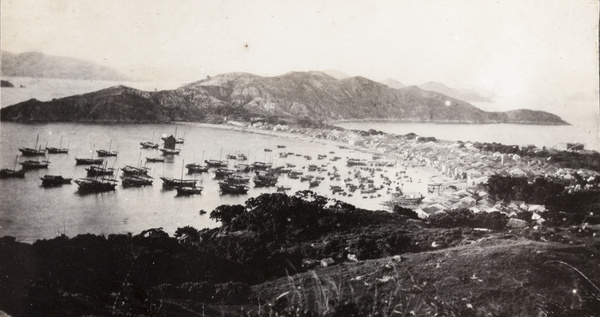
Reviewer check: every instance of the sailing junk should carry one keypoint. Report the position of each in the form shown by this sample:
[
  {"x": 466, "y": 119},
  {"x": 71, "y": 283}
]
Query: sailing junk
[
  {"x": 169, "y": 146},
  {"x": 26, "y": 151},
  {"x": 54, "y": 180},
  {"x": 57, "y": 150}
]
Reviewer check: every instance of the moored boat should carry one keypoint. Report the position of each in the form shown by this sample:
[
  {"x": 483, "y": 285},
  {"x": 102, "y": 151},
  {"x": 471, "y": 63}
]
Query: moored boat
[
  {"x": 92, "y": 185},
  {"x": 232, "y": 188},
  {"x": 30, "y": 164},
  {"x": 261, "y": 166},
  {"x": 57, "y": 150},
  {"x": 90, "y": 161},
  {"x": 188, "y": 190},
  {"x": 172, "y": 182},
  {"x": 221, "y": 173},
  {"x": 105, "y": 153},
  {"x": 135, "y": 181},
  {"x": 98, "y": 170},
  {"x": 54, "y": 180},
  {"x": 196, "y": 168},
  {"x": 149, "y": 145},
  {"x": 155, "y": 159},
  {"x": 12, "y": 173},
  {"x": 215, "y": 163},
  {"x": 35, "y": 151},
  {"x": 265, "y": 180},
  {"x": 137, "y": 171}
]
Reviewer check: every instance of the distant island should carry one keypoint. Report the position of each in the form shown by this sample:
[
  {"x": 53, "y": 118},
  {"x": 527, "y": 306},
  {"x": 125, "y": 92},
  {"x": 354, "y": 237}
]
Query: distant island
[
  {"x": 6, "y": 84},
  {"x": 36, "y": 64},
  {"x": 295, "y": 96}
]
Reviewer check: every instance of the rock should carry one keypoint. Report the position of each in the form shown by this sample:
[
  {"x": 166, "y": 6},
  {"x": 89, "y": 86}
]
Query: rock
[
  {"x": 514, "y": 223},
  {"x": 352, "y": 257}
]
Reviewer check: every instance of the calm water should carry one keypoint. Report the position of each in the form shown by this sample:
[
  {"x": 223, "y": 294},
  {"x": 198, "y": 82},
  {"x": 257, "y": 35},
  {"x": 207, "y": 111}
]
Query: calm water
[
  {"x": 583, "y": 131},
  {"x": 29, "y": 211}
]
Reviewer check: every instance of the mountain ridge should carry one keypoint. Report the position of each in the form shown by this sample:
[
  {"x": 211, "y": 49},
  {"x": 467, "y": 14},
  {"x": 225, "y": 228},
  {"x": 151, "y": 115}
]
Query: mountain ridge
[
  {"x": 462, "y": 94},
  {"x": 314, "y": 96},
  {"x": 36, "y": 64}
]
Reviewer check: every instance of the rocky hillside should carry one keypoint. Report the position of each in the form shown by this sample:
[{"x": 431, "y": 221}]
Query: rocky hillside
[
  {"x": 35, "y": 64},
  {"x": 310, "y": 95}
]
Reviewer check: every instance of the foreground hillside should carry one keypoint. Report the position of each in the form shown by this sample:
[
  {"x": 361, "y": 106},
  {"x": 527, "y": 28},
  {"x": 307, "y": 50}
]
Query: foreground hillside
[
  {"x": 307, "y": 255},
  {"x": 293, "y": 96}
]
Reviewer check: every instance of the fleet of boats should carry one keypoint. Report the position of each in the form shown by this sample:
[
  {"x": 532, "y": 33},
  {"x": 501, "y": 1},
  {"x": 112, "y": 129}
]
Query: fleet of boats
[{"x": 232, "y": 178}]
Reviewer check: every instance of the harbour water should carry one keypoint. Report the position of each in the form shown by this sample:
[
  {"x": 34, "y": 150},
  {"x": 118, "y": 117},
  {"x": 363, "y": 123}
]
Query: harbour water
[
  {"x": 584, "y": 130},
  {"x": 29, "y": 211}
]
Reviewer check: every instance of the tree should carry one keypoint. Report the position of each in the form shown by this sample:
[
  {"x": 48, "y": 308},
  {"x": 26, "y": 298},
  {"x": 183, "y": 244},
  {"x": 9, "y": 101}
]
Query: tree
[{"x": 226, "y": 213}]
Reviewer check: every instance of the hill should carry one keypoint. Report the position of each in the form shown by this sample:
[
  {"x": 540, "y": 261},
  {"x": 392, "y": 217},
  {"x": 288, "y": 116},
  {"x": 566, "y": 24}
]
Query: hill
[
  {"x": 392, "y": 83},
  {"x": 308, "y": 255},
  {"x": 315, "y": 96},
  {"x": 35, "y": 64},
  {"x": 462, "y": 94}
]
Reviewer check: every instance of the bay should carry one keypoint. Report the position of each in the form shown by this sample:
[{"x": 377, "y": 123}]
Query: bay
[
  {"x": 584, "y": 130},
  {"x": 29, "y": 211}
]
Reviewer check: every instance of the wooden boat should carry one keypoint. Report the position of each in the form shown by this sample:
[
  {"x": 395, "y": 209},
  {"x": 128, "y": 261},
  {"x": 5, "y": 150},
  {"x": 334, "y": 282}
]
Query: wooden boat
[
  {"x": 242, "y": 168},
  {"x": 355, "y": 162},
  {"x": 314, "y": 183},
  {"x": 400, "y": 198},
  {"x": 135, "y": 181},
  {"x": 283, "y": 188},
  {"x": 304, "y": 178},
  {"x": 280, "y": 146},
  {"x": 216, "y": 163},
  {"x": 99, "y": 170},
  {"x": 135, "y": 171},
  {"x": 155, "y": 159},
  {"x": 221, "y": 173},
  {"x": 89, "y": 161},
  {"x": 265, "y": 180},
  {"x": 57, "y": 150},
  {"x": 149, "y": 145},
  {"x": 92, "y": 185},
  {"x": 30, "y": 164},
  {"x": 105, "y": 153},
  {"x": 35, "y": 151},
  {"x": 268, "y": 150},
  {"x": 242, "y": 157},
  {"x": 196, "y": 168},
  {"x": 231, "y": 156},
  {"x": 173, "y": 182},
  {"x": 237, "y": 179},
  {"x": 177, "y": 140},
  {"x": 170, "y": 151},
  {"x": 261, "y": 166},
  {"x": 188, "y": 190},
  {"x": 54, "y": 180},
  {"x": 232, "y": 188},
  {"x": 12, "y": 173}
]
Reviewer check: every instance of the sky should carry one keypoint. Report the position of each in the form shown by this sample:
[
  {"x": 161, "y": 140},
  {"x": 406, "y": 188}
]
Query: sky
[{"x": 532, "y": 54}]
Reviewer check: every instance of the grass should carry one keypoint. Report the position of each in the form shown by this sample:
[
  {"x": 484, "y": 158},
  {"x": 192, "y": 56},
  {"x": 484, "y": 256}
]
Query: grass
[{"x": 491, "y": 278}]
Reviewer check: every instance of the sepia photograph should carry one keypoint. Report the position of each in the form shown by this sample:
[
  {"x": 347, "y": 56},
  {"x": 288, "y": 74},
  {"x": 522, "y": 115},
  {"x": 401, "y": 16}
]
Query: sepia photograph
[{"x": 300, "y": 158}]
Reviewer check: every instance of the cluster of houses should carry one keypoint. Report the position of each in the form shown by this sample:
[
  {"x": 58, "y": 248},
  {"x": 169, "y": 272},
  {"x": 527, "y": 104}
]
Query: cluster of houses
[{"x": 467, "y": 167}]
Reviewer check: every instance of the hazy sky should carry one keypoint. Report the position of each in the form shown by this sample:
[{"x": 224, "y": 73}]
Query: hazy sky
[{"x": 525, "y": 51}]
